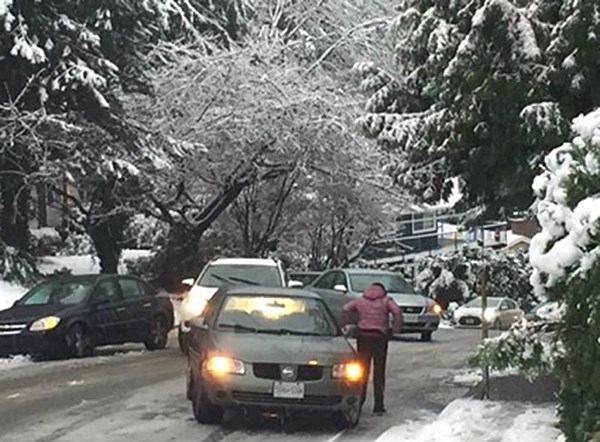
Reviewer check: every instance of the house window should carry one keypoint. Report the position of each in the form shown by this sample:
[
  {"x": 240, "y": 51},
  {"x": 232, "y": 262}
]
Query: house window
[{"x": 424, "y": 222}]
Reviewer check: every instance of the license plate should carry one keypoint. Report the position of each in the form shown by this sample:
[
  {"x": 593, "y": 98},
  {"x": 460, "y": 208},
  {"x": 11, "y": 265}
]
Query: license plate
[
  {"x": 410, "y": 318},
  {"x": 288, "y": 390}
]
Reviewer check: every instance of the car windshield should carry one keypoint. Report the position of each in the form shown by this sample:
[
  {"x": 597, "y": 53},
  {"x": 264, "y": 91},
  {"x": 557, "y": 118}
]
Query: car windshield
[
  {"x": 219, "y": 275},
  {"x": 276, "y": 315},
  {"x": 57, "y": 293},
  {"x": 491, "y": 302},
  {"x": 392, "y": 282}
]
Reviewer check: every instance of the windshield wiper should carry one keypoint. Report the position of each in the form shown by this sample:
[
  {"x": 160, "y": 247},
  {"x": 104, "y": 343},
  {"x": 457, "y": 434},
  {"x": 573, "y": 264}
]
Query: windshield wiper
[
  {"x": 286, "y": 331},
  {"x": 242, "y": 280},
  {"x": 220, "y": 278},
  {"x": 240, "y": 328}
]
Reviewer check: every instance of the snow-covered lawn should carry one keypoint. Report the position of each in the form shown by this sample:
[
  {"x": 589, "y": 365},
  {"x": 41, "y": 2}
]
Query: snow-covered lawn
[
  {"x": 9, "y": 293},
  {"x": 471, "y": 377},
  {"x": 470, "y": 420}
]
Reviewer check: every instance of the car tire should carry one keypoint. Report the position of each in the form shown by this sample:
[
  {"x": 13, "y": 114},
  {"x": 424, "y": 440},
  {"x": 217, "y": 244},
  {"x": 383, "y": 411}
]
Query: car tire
[
  {"x": 182, "y": 341},
  {"x": 159, "y": 334},
  {"x": 79, "y": 342},
  {"x": 189, "y": 385},
  {"x": 347, "y": 420},
  {"x": 205, "y": 412},
  {"x": 426, "y": 336}
]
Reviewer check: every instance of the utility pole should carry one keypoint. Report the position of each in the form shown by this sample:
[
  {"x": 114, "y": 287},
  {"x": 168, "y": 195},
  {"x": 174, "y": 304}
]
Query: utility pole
[{"x": 484, "y": 322}]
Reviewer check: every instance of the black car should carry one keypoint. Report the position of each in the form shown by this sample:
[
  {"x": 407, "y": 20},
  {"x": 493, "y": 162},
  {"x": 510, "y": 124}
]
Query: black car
[{"x": 72, "y": 315}]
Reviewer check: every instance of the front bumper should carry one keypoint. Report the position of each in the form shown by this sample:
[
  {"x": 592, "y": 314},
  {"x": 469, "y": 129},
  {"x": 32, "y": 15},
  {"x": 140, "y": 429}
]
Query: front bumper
[
  {"x": 28, "y": 342},
  {"x": 421, "y": 323},
  {"x": 248, "y": 391}
]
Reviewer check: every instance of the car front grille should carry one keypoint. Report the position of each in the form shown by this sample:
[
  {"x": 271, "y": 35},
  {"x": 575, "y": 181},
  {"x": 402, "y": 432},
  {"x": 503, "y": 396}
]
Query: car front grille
[
  {"x": 413, "y": 310},
  {"x": 469, "y": 320},
  {"x": 8, "y": 329},
  {"x": 273, "y": 372},
  {"x": 267, "y": 398}
]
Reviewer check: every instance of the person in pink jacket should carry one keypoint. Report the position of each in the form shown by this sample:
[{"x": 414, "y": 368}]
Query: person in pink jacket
[{"x": 373, "y": 309}]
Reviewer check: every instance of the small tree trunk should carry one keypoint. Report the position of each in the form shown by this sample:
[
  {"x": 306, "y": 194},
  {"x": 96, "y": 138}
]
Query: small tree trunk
[
  {"x": 14, "y": 218},
  {"x": 107, "y": 242}
]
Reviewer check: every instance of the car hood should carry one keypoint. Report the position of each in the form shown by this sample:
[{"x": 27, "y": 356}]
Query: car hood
[
  {"x": 27, "y": 313},
  {"x": 284, "y": 349},
  {"x": 409, "y": 300}
]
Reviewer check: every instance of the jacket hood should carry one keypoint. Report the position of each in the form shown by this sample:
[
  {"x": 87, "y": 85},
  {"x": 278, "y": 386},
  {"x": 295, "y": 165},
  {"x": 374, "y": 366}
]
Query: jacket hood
[{"x": 374, "y": 292}]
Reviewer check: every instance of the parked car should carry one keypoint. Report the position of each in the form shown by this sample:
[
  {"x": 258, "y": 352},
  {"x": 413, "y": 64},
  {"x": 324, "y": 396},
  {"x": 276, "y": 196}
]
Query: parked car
[
  {"x": 271, "y": 349},
  {"x": 226, "y": 271},
  {"x": 337, "y": 287},
  {"x": 500, "y": 313},
  {"x": 72, "y": 315},
  {"x": 306, "y": 278},
  {"x": 544, "y": 310}
]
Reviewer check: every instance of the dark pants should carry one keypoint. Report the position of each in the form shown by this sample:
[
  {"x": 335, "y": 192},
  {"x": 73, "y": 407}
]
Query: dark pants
[{"x": 373, "y": 348}]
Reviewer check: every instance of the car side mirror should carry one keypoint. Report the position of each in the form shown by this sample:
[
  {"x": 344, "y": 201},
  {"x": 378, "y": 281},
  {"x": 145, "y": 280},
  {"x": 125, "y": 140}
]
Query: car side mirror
[
  {"x": 340, "y": 288},
  {"x": 295, "y": 284},
  {"x": 188, "y": 281},
  {"x": 197, "y": 323}
]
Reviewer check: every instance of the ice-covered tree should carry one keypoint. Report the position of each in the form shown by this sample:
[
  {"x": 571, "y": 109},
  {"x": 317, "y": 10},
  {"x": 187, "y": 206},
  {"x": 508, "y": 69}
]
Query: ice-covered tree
[{"x": 480, "y": 89}]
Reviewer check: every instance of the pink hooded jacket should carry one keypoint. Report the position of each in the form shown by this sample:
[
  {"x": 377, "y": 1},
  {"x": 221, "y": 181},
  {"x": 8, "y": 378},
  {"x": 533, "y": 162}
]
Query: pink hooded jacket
[{"x": 373, "y": 309}]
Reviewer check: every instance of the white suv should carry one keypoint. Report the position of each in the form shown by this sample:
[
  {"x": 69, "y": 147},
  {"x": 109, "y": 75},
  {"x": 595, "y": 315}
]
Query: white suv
[{"x": 227, "y": 271}]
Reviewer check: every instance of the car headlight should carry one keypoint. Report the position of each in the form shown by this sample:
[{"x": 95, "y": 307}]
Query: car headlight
[
  {"x": 434, "y": 308},
  {"x": 350, "y": 371},
  {"x": 222, "y": 365},
  {"x": 489, "y": 314},
  {"x": 45, "y": 324}
]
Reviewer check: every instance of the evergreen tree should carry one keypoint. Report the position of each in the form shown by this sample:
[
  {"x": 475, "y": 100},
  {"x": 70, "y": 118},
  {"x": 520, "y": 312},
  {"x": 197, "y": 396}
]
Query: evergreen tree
[{"x": 479, "y": 92}]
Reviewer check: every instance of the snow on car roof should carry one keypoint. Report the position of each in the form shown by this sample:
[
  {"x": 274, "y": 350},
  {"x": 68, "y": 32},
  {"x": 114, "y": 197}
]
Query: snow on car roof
[{"x": 245, "y": 261}]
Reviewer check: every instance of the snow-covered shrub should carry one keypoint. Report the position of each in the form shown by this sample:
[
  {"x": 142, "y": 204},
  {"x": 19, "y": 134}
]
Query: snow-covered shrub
[
  {"x": 77, "y": 244},
  {"x": 17, "y": 266},
  {"x": 145, "y": 232},
  {"x": 458, "y": 276},
  {"x": 45, "y": 241}
]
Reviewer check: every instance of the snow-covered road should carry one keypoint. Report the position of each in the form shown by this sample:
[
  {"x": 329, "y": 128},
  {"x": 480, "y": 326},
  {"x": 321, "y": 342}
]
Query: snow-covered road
[{"x": 134, "y": 395}]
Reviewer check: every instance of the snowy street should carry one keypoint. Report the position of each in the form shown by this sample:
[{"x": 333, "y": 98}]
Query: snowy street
[{"x": 126, "y": 394}]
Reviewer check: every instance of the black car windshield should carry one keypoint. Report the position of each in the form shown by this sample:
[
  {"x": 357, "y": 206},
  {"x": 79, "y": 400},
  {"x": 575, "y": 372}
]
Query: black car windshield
[
  {"x": 393, "y": 283},
  {"x": 57, "y": 293},
  {"x": 219, "y": 275},
  {"x": 491, "y": 302},
  {"x": 276, "y": 315}
]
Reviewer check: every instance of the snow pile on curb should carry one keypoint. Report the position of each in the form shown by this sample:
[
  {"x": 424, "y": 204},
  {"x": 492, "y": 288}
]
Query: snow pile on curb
[
  {"x": 469, "y": 420},
  {"x": 13, "y": 362}
]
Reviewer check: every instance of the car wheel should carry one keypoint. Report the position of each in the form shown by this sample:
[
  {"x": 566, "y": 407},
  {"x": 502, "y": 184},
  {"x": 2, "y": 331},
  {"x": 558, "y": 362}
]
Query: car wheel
[
  {"x": 426, "y": 336},
  {"x": 348, "y": 419},
  {"x": 79, "y": 343},
  {"x": 205, "y": 412},
  {"x": 158, "y": 336},
  {"x": 182, "y": 341}
]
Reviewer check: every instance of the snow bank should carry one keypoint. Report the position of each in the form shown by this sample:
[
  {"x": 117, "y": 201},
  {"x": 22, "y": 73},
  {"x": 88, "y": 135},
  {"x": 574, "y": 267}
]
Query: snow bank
[
  {"x": 14, "y": 362},
  {"x": 9, "y": 293},
  {"x": 469, "y": 420}
]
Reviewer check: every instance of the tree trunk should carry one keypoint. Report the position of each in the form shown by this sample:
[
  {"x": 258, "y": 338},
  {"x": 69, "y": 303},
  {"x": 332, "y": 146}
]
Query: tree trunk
[
  {"x": 14, "y": 218},
  {"x": 107, "y": 242}
]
